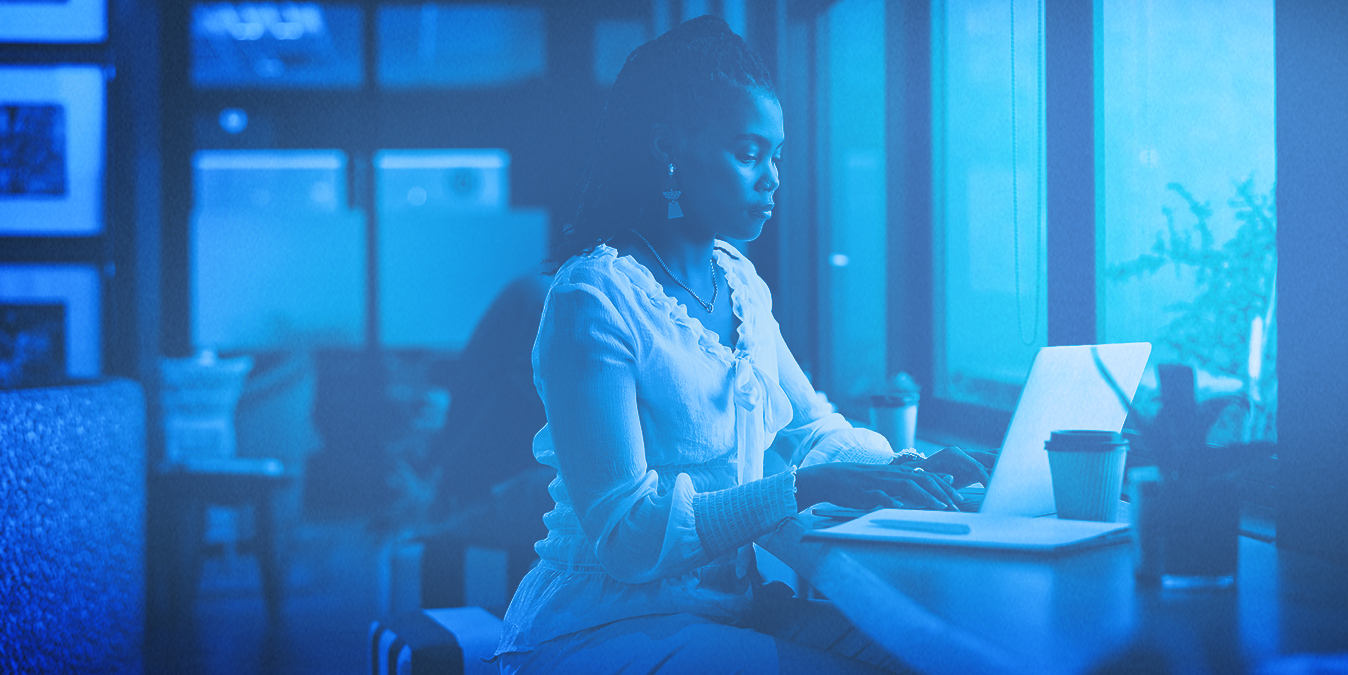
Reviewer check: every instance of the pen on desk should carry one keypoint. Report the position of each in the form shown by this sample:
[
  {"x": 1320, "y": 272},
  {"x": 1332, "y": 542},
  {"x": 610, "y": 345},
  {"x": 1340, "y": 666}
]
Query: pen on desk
[{"x": 922, "y": 526}]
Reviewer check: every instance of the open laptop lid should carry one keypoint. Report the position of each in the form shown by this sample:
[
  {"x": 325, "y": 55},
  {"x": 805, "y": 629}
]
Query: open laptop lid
[{"x": 1072, "y": 387}]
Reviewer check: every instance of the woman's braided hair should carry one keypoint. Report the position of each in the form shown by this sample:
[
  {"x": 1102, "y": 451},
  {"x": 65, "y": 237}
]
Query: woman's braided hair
[{"x": 683, "y": 77}]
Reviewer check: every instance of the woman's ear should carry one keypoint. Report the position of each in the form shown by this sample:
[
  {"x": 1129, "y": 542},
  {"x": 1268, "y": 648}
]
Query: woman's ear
[{"x": 662, "y": 143}]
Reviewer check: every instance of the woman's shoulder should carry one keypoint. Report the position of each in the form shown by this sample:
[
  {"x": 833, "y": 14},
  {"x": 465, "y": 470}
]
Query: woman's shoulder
[
  {"x": 593, "y": 268},
  {"x": 600, "y": 273}
]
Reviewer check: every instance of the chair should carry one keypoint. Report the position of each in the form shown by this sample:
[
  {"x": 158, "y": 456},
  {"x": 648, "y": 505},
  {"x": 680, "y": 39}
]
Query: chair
[
  {"x": 72, "y": 534},
  {"x": 511, "y": 520},
  {"x": 494, "y": 493},
  {"x": 453, "y": 641}
]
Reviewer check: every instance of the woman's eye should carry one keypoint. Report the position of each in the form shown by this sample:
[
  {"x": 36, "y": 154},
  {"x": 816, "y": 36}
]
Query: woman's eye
[{"x": 748, "y": 159}]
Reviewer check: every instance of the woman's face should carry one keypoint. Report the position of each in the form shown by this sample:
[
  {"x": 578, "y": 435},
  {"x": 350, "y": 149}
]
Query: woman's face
[{"x": 727, "y": 171}]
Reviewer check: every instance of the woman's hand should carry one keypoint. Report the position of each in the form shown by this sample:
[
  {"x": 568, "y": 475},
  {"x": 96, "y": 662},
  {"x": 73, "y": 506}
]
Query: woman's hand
[
  {"x": 965, "y": 467},
  {"x": 869, "y": 486}
]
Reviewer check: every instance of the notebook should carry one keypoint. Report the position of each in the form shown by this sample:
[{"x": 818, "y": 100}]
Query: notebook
[
  {"x": 1068, "y": 387},
  {"x": 976, "y": 530}
]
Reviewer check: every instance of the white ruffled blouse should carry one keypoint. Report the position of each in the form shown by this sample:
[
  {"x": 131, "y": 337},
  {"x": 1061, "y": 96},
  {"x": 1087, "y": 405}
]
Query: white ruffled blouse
[{"x": 657, "y": 432}]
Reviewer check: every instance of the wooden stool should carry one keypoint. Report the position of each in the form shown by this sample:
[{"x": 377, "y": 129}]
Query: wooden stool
[{"x": 187, "y": 488}]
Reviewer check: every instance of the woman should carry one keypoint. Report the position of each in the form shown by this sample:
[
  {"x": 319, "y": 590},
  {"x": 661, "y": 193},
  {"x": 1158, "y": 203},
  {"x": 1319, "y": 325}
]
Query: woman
[{"x": 664, "y": 377}]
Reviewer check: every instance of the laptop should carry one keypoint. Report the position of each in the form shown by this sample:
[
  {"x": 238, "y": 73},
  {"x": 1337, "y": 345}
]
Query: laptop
[{"x": 1069, "y": 387}]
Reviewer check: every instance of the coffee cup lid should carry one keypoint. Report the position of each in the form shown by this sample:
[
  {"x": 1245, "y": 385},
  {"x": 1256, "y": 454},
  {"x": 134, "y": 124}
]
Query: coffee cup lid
[
  {"x": 894, "y": 400},
  {"x": 1070, "y": 440}
]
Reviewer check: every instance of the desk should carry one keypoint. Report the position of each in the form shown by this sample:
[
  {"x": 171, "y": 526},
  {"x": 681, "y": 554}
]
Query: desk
[
  {"x": 187, "y": 488},
  {"x": 946, "y": 611}
]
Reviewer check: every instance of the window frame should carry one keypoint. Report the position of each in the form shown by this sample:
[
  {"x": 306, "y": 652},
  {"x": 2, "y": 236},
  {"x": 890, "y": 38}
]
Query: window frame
[{"x": 914, "y": 99}]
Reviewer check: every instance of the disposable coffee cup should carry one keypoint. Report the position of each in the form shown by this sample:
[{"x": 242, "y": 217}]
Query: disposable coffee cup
[
  {"x": 894, "y": 412},
  {"x": 895, "y": 417},
  {"x": 1087, "y": 470}
]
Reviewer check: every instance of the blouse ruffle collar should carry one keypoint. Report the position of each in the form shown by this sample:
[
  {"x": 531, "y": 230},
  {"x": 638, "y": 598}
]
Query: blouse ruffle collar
[{"x": 737, "y": 285}]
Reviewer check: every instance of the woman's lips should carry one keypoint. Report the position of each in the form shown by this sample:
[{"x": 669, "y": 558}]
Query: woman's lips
[{"x": 761, "y": 212}]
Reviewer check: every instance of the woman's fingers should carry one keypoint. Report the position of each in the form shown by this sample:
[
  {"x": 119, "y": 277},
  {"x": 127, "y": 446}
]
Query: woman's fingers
[
  {"x": 876, "y": 499},
  {"x": 964, "y": 468},
  {"x": 986, "y": 459},
  {"x": 943, "y": 491},
  {"x": 972, "y": 473},
  {"x": 914, "y": 496},
  {"x": 868, "y": 487},
  {"x": 932, "y": 482},
  {"x": 919, "y": 489}
]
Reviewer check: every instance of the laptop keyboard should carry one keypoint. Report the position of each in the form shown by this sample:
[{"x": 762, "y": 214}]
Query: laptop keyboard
[{"x": 973, "y": 499}]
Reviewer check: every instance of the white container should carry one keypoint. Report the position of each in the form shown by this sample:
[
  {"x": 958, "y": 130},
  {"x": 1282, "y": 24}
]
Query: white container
[{"x": 198, "y": 396}]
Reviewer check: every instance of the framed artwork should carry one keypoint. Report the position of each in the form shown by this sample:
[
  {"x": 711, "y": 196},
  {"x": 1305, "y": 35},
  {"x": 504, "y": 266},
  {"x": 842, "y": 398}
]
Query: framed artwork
[
  {"x": 32, "y": 343},
  {"x": 30, "y": 296},
  {"x": 51, "y": 150},
  {"x": 53, "y": 20}
]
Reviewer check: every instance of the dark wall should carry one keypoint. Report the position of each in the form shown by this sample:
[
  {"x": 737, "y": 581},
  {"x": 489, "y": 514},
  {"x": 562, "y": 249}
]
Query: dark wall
[{"x": 1312, "y": 101}]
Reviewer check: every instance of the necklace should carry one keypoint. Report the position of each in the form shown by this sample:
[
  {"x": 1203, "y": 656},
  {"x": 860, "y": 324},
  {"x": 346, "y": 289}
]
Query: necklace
[{"x": 715, "y": 288}]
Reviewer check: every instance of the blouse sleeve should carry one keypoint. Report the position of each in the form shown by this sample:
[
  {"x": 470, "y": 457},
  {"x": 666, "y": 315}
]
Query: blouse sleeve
[
  {"x": 587, "y": 372},
  {"x": 816, "y": 432}
]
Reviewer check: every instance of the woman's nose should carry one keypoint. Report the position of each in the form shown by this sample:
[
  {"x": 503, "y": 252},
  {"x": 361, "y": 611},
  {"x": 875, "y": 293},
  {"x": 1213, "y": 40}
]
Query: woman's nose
[{"x": 770, "y": 181}]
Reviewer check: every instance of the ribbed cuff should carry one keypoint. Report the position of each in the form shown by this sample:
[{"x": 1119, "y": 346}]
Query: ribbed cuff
[
  {"x": 729, "y": 519},
  {"x": 861, "y": 454}
]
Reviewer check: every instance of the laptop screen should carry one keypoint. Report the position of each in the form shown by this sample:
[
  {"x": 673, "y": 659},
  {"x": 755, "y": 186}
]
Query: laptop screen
[{"x": 1069, "y": 387}]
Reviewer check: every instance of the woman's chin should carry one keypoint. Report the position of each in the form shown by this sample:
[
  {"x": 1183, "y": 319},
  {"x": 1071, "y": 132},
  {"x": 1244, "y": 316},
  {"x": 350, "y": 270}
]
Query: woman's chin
[{"x": 747, "y": 231}]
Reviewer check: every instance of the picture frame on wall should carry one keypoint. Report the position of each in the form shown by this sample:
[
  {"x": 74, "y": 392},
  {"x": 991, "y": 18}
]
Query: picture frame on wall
[
  {"x": 32, "y": 343},
  {"x": 51, "y": 150},
  {"x": 77, "y": 289},
  {"x": 26, "y": 21}
]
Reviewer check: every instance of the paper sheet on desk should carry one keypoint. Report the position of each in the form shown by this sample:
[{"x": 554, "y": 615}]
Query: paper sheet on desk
[{"x": 975, "y": 530}]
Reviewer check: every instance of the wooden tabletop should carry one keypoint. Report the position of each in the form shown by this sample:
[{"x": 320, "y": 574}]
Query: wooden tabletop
[{"x": 957, "y": 611}]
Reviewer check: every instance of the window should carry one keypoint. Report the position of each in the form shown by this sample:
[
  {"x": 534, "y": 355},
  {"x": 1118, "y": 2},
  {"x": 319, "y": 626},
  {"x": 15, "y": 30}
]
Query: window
[
  {"x": 443, "y": 45},
  {"x": 278, "y": 259},
  {"x": 438, "y": 211},
  {"x": 852, "y": 200},
  {"x": 1182, "y": 253},
  {"x": 990, "y": 258},
  {"x": 304, "y": 45},
  {"x": 1188, "y": 208},
  {"x": 297, "y": 107}
]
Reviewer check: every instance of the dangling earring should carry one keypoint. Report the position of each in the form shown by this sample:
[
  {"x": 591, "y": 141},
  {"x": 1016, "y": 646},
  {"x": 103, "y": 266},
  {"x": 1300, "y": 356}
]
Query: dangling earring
[{"x": 672, "y": 194}]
